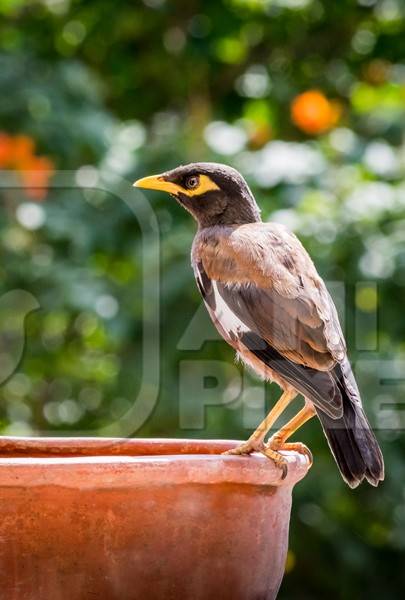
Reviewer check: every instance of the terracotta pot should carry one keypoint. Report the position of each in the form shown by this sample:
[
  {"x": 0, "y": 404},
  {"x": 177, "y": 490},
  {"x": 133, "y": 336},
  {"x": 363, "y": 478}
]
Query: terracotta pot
[{"x": 141, "y": 519}]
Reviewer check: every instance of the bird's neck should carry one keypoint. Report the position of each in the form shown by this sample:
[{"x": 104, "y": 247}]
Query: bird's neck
[{"x": 237, "y": 211}]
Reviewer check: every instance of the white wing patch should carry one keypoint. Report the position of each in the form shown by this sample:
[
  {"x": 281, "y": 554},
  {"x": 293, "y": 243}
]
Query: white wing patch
[
  {"x": 229, "y": 325},
  {"x": 229, "y": 322}
]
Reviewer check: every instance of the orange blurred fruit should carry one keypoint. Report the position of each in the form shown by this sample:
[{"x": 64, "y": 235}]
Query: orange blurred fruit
[
  {"x": 313, "y": 113},
  {"x": 18, "y": 153},
  {"x": 6, "y": 146},
  {"x": 23, "y": 151},
  {"x": 35, "y": 177}
]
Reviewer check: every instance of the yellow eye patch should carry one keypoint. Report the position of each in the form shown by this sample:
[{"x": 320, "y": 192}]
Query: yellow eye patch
[
  {"x": 205, "y": 184},
  {"x": 158, "y": 182}
]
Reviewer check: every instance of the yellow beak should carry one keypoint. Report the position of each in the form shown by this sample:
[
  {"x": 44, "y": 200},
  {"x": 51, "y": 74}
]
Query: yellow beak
[{"x": 157, "y": 182}]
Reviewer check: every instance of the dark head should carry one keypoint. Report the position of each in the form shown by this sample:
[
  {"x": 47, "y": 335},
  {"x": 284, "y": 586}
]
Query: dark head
[{"x": 214, "y": 194}]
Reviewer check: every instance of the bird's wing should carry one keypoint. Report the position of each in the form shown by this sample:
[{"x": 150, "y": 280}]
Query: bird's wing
[{"x": 262, "y": 288}]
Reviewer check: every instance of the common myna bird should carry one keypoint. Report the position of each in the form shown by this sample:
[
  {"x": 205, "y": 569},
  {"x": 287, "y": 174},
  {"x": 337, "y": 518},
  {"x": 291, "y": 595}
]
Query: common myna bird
[{"x": 266, "y": 299}]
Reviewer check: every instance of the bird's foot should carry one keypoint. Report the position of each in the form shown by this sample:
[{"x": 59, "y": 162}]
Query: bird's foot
[
  {"x": 246, "y": 448},
  {"x": 279, "y": 460},
  {"x": 276, "y": 443}
]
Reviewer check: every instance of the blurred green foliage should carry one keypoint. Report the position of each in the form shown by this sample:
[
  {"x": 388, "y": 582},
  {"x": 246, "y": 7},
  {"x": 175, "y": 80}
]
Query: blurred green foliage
[{"x": 111, "y": 92}]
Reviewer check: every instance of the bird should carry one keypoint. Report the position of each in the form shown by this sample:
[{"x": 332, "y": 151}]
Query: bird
[{"x": 267, "y": 300}]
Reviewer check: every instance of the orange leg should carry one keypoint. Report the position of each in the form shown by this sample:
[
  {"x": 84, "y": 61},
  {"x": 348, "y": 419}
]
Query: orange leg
[
  {"x": 277, "y": 441},
  {"x": 256, "y": 441}
]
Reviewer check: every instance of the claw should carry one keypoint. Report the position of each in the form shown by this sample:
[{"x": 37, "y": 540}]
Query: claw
[
  {"x": 284, "y": 470},
  {"x": 302, "y": 449},
  {"x": 276, "y": 444},
  {"x": 277, "y": 458}
]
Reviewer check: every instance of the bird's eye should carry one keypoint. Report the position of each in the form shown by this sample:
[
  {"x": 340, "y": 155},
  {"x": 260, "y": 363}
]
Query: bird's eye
[{"x": 192, "y": 182}]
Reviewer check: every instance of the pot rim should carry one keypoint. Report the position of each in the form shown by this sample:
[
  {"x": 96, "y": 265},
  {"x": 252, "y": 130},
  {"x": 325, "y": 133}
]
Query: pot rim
[{"x": 116, "y": 462}]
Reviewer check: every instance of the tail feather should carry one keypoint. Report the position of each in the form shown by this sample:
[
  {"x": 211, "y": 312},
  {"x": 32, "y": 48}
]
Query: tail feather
[{"x": 351, "y": 440}]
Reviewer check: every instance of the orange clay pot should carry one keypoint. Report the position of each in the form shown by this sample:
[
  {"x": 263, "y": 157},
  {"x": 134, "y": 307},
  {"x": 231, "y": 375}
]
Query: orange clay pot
[{"x": 111, "y": 519}]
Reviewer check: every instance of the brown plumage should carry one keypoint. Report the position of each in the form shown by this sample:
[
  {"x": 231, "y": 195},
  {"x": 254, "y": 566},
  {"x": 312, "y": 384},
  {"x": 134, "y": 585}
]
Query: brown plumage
[{"x": 267, "y": 300}]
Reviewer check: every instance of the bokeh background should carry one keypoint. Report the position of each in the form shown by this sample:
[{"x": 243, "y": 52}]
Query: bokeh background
[{"x": 307, "y": 99}]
